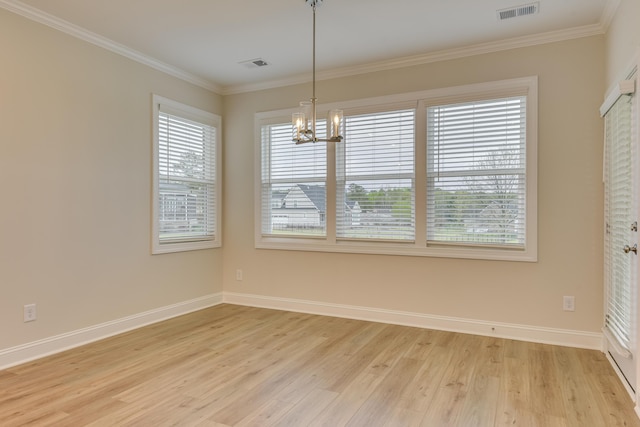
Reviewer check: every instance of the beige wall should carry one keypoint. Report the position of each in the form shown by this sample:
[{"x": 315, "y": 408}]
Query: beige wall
[
  {"x": 75, "y": 123},
  {"x": 75, "y": 171},
  {"x": 571, "y": 84},
  {"x": 622, "y": 41}
]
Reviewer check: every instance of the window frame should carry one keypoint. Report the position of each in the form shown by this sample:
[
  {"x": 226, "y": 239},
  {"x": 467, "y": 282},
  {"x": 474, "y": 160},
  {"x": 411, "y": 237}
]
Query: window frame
[
  {"x": 311, "y": 180},
  {"x": 341, "y": 175},
  {"x": 206, "y": 119},
  {"x": 476, "y": 143},
  {"x": 420, "y": 247}
]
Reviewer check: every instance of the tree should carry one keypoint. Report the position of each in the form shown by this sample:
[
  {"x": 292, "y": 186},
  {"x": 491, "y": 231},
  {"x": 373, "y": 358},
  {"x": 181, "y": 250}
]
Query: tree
[
  {"x": 190, "y": 165},
  {"x": 402, "y": 206},
  {"x": 357, "y": 193},
  {"x": 501, "y": 188}
]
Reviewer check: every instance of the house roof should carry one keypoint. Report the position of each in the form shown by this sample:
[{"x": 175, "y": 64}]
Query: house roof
[{"x": 317, "y": 194}]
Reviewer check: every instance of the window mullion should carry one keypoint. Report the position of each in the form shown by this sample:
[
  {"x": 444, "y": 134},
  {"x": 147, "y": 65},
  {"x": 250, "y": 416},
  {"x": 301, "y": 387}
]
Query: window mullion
[
  {"x": 420, "y": 181},
  {"x": 331, "y": 191}
]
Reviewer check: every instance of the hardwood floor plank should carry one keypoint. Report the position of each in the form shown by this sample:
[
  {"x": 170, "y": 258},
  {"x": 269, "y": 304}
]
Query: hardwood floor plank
[
  {"x": 344, "y": 407},
  {"x": 420, "y": 392},
  {"x": 513, "y": 404},
  {"x": 378, "y": 409},
  {"x": 581, "y": 406},
  {"x": 446, "y": 407},
  {"x": 267, "y": 414},
  {"x": 405, "y": 418},
  {"x": 482, "y": 398},
  {"x": 231, "y": 366},
  {"x": 479, "y": 408},
  {"x": 544, "y": 383},
  {"x": 305, "y": 411}
]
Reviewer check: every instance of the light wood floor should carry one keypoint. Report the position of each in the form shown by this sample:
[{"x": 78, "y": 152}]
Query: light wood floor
[{"x": 241, "y": 366}]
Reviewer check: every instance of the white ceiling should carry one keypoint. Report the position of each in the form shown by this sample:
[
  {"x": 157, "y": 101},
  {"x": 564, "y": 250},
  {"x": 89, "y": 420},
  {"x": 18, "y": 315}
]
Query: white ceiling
[{"x": 206, "y": 39}]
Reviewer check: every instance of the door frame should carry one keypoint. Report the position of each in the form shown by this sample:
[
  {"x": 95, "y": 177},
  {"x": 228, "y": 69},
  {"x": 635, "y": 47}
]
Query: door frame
[{"x": 632, "y": 72}]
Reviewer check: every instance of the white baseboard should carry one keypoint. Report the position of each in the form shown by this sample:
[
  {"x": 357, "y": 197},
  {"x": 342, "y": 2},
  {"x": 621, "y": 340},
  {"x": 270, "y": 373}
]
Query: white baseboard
[
  {"x": 34, "y": 350},
  {"x": 564, "y": 337}
]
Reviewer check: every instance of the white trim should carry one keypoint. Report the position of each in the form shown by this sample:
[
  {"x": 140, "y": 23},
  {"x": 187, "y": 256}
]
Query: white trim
[
  {"x": 621, "y": 377},
  {"x": 564, "y": 337},
  {"x": 613, "y": 344},
  {"x": 613, "y": 93},
  {"x": 35, "y": 350},
  {"x": 159, "y": 104},
  {"x": 78, "y": 32},
  {"x": 426, "y": 58},
  {"x": 624, "y": 84},
  {"x": 625, "y": 87},
  {"x": 522, "y": 85}
]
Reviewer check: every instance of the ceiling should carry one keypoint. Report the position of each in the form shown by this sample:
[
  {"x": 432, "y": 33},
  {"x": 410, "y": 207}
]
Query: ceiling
[{"x": 205, "y": 41}]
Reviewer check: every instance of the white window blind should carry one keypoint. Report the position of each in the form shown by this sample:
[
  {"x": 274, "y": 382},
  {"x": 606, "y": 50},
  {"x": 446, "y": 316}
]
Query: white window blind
[
  {"x": 187, "y": 187},
  {"x": 185, "y": 205},
  {"x": 476, "y": 173},
  {"x": 375, "y": 177},
  {"x": 293, "y": 183},
  {"x": 449, "y": 172},
  {"x": 618, "y": 217}
]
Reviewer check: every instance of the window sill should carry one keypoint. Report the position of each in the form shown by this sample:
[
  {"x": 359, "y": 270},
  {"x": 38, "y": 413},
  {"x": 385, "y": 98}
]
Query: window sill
[
  {"x": 164, "y": 248},
  {"x": 399, "y": 249}
]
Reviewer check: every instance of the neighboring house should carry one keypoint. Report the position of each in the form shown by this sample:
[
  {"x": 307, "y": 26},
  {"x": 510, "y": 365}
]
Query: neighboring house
[
  {"x": 353, "y": 213},
  {"x": 304, "y": 206},
  {"x": 178, "y": 208}
]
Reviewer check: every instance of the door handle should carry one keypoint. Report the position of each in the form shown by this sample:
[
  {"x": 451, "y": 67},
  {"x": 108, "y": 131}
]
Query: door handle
[{"x": 633, "y": 249}]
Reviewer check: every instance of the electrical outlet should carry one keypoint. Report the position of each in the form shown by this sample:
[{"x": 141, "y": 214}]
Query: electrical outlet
[
  {"x": 239, "y": 275},
  {"x": 569, "y": 303},
  {"x": 29, "y": 312}
]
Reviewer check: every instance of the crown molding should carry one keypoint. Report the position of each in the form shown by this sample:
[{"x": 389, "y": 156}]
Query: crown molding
[
  {"x": 76, "y": 31},
  {"x": 442, "y": 55},
  {"x": 44, "y": 18}
]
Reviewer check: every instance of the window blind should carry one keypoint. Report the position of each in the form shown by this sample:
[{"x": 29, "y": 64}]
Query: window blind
[
  {"x": 186, "y": 174},
  {"x": 476, "y": 172},
  {"x": 618, "y": 217},
  {"x": 375, "y": 177},
  {"x": 293, "y": 183}
]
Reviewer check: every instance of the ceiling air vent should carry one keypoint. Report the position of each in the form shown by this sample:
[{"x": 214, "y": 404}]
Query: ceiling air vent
[
  {"x": 254, "y": 63},
  {"x": 513, "y": 12}
]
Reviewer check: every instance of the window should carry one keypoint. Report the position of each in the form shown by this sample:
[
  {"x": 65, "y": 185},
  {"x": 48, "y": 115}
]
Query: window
[
  {"x": 446, "y": 173},
  {"x": 476, "y": 172},
  {"x": 375, "y": 184},
  {"x": 293, "y": 184},
  {"x": 186, "y": 178}
]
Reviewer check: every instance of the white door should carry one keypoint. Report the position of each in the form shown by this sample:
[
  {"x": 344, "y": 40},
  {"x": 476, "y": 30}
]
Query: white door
[{"x": 621, "y": 236}]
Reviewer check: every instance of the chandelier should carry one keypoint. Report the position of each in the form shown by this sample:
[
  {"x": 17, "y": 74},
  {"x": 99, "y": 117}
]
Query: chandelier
[{"x": 304, "y": 121}]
